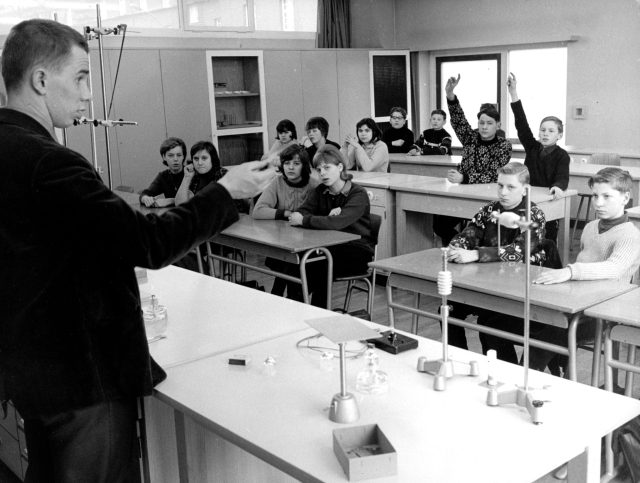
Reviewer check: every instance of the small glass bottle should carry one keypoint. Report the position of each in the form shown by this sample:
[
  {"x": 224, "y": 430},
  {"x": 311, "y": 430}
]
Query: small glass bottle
[
  {"x": 371, "y": 380},
  {"x": 155, "y": 320}
]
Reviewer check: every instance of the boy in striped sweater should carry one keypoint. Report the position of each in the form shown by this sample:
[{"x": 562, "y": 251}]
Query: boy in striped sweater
[{"x": 609, "y": 249}]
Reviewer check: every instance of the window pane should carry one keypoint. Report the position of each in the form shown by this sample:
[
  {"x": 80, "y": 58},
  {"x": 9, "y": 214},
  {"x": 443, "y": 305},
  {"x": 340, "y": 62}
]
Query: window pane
[
  {"x": 543, "y": 91},
  {"x": 479, "y": 84},
  {"x": 218, "y": 14},
  {"x": 286, "y": 15},
  {"x": 155, "y": 14}
]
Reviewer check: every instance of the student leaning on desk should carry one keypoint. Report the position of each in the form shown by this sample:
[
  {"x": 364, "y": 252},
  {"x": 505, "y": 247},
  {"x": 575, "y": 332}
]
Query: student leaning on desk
[
  {"x": 478, "y": 242},
  {"x": 609, "y": 249},
  {"x": 73, "y": 352}
]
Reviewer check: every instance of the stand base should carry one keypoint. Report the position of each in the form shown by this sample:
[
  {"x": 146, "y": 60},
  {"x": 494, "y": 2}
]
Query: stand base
[
  {"x": 520, "y": 397},
  {"x": 344, "y": 409},
  {"x": 443, "y": 370},
  {"x": 394, "y": 343}
]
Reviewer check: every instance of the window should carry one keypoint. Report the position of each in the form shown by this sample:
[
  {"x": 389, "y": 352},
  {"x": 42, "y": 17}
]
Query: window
[
  {"x": 390, "y": 83},
  {"x": 543, "y": 91},
  {"x": 479, "y": 84},
  {"x": 157, "y": 16},
  {"x": 483, "y": 80}
]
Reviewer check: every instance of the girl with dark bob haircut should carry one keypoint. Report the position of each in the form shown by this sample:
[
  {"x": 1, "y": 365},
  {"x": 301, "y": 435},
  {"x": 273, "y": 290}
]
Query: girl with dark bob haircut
[{"x": 367, "y": 151}]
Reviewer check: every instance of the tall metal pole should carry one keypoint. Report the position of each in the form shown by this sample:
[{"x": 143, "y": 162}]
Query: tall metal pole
[
  {"x": 527, "y": 283},
  {"x": 104, "y": 99}
]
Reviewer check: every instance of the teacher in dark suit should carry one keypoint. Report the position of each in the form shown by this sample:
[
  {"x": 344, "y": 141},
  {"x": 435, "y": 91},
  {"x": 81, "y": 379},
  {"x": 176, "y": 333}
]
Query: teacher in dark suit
[{"x": 73, "y": 351}]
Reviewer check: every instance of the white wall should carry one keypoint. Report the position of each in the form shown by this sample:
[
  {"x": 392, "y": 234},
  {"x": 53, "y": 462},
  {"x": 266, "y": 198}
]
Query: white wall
[{"x": 603, "y": 64}]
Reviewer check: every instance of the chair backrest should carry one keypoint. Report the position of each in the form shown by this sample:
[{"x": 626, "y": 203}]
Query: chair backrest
[
  {"x": 376, "y": 222},
  {"x": 610, "y": 159}
]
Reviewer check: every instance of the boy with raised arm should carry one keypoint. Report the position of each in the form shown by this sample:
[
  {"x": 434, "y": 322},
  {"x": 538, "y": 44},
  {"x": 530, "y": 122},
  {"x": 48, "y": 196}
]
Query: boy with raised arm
[
  {"x": 483, "y": 153},
  {"x": 547, "y": 162}
]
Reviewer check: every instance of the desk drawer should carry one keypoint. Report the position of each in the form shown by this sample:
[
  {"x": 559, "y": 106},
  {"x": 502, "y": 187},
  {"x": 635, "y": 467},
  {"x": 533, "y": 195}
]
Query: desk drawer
[
  {"x": 377, "y": 196},
  {"x": 9, "y": 423},
  {"x": 10, "y": 452}
]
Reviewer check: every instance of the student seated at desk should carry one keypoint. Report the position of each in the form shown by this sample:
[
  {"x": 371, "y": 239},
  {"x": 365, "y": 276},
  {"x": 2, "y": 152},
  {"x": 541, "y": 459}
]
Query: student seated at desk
[
  {"x": 609, "y": 249},
  {"x": 317, "y": 131},
  {"x": 366, "y": 152},
  {"x": 336, "y": 204},
  {"x": 398, "y": 137},
  {"x": 436, "y": 140},
  {"x": 167, "y": 182},
  {"x": 283, "y": 196},
  {"x": 483, "y": 153},
  {"x": 286, "y": 135},
  {"x": 204, "y": 169},
  {"x": 478, "y": 242},
  {"x": 547, "y": 162}
]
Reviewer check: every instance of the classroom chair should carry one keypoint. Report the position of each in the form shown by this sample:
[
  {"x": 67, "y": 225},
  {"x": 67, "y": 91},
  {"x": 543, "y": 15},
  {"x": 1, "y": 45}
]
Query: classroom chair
[
  {"x": 620, "y": 334},
  {"x": 609, "y": 159},
  {"x": 368, "y": 278}
]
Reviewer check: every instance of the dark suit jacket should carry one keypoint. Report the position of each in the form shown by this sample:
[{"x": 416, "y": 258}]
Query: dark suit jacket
[{"x": 71, "y": 329}]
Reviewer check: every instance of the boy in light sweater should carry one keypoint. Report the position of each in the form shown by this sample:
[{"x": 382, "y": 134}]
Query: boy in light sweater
[{"x": 609, "y": 249}]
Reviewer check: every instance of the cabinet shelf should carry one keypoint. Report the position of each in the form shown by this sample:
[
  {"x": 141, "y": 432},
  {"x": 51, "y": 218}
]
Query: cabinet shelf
[
  {"x": 245, "y": 94},
  {"x": 240, "y": 126}
]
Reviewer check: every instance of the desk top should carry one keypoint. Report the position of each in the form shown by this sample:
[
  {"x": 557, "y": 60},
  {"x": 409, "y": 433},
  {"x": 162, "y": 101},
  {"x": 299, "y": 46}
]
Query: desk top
[
  {"x": 279, "y": 234},
  {"x": 383, "y": 180},
  {"x": 505, "y": 280},
  {"x": 208, "y": 316},
  {"x": 449, "y": 436},
  {"x": 586, "y": 169},
  {"x": 624, "y": 309},
  {"x": 634, "y": 212},
  {"x": 481, "y": 191},
  {"x": 432, "y": 160}
]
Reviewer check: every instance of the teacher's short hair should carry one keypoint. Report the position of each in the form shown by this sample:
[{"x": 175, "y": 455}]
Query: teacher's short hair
[{"x": 34, "y": 42}]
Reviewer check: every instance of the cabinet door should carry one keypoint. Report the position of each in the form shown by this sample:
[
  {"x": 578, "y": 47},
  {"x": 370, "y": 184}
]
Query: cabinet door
[
  {"x": 185, "y": 94},
  {"x": 320, "y": 88},
  {"x": 283, "y": 83},
  {"x": 138, "y": 146},
  {"x": 353, "y": 89}
]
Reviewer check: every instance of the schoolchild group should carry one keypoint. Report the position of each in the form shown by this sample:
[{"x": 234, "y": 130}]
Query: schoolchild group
[{"x": 315, "y": 190}]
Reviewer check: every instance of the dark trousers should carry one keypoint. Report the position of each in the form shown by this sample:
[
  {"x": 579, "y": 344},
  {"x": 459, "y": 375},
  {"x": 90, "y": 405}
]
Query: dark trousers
[
  {"x": 551, "y": 231},
  {"x": 279, "y": 284},
  {"x": 445, "y": 227},
  {"x": 457, "y": 335},
  {"x": 94, "y": 444},
  {"x": 347, "y": 260}
]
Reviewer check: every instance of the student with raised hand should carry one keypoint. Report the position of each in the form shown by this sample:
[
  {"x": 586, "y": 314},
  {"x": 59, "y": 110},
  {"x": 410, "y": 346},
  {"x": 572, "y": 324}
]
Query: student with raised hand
[
  {"x": 478, "y": 242},
  {"x": 366, "y": 152},
  {"x": 166, "y": 183},
  {"x": 435, "y": 140},
  {"x": 609, "y": 250},
  {"x": 75, "y": 357},
  {"x": 547, "y": 162},
  {"x": 398, "y": 137},
  {"x": 203, "y": 169},
  {"x": 317, "y": 129},
  {"x": 336, "y": 204},
  {"x": 283, "y": 196},
  {"x": 286, "y": 135},
  {"x": 483, "y": 152}
]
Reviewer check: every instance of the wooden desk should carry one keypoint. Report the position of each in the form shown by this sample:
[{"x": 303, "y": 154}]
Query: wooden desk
[
  {"x": 277, "y": 239},
  {"x": 429, "y": 195},
  {"x": 634, "y": 216},
  {"x": 623, "y": 309},
  {"x": 239, "y": 424},
  {"x": 208, "y": 315},
  {"x": 434, "y": 165},
  {"x": 499, "y": 287}
]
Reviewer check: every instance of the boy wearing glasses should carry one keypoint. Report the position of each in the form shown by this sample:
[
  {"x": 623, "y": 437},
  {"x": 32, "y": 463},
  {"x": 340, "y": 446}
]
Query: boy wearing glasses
[{"x": 398, "y": 137}]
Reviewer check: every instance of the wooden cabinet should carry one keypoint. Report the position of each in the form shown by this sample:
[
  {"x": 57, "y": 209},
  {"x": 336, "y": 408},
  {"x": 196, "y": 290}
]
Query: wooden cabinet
[
  {"x": 13, "y": 448},
  {"x": 382, "y": 204},
  {"x": 237, "y": 105}
]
